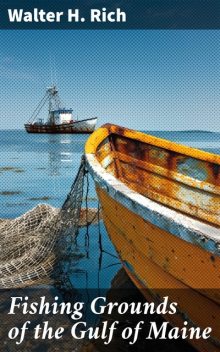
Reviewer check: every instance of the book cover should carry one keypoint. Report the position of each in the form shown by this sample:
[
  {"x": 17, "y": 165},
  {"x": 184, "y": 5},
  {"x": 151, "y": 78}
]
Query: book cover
[{"x": 110, "y": 176}]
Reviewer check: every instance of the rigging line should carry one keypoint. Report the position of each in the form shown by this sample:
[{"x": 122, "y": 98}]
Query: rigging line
[
  {"x": 51, "y": 72},
  {"x": 87, "y": 222},
  {"x": 93, "y": 219},
  {"x": 39, "y": 106},
  {"x": 110, "y": 265},
  {"x": 100, "y": 248},
  {"x": 100, "y": 235},
  {"x": 112, "y": 255},
  {"x": 55, "y": 71}
]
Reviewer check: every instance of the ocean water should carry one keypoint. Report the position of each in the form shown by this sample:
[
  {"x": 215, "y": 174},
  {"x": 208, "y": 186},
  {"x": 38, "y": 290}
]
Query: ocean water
[{"x": 38, "y": 168}]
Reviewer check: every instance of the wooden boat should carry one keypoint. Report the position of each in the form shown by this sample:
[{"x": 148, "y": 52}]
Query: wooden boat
[
  {"x": 60, "y": 119},
  {"x": 161, "y": 207}
]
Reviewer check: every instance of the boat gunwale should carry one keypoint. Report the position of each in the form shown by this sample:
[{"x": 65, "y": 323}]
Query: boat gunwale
[
  {"x": 109, "y": 129},
  {"x": 187, "y": 228},
  {"x": 63, "y": 124}
]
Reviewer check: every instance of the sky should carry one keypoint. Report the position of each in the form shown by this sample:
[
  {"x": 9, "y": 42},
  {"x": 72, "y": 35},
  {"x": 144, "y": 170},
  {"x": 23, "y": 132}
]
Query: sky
[{"x": 142, "y": 79}]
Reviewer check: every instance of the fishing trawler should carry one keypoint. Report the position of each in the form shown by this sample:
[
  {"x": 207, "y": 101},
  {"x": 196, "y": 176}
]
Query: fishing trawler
[{"x": 60, "y": 119}]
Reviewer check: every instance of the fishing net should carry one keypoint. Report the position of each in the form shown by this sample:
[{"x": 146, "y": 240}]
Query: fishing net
[{"x": 32, "y": 245}]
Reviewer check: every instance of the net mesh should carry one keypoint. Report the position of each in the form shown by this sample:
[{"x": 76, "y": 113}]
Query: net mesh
[{"x": 33, "y": 244}]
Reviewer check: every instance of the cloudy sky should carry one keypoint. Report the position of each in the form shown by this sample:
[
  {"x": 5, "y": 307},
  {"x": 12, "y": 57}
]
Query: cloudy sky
[{"x": 148, "y": 79}]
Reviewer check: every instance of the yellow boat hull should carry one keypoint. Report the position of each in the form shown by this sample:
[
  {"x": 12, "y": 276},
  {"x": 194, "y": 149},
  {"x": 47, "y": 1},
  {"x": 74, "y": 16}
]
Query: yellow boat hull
[{"x": 163, "y": 219}]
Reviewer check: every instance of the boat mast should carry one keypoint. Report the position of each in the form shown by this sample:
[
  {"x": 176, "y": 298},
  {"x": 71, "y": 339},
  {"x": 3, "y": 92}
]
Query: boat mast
[{"x": 54, "y": 103}]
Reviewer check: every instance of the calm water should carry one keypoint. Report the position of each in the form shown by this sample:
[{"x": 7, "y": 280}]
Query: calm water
[{"x": 37, "y": 168}]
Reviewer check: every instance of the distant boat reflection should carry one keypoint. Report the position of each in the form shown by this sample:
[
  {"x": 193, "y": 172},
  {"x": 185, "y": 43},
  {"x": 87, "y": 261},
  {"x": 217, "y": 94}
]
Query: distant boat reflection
[{"x": 64, "y": 152}]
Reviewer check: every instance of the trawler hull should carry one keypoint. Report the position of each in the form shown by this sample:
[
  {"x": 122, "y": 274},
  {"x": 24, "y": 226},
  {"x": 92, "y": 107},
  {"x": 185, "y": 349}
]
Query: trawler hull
[
  {"x": 81, "y": 126},
  {"x": 160, "y": 205}
]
